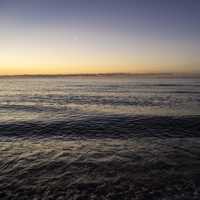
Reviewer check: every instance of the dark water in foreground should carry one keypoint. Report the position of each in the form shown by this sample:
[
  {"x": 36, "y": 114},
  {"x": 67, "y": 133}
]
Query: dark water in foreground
[{"x": 99, "y": 138}]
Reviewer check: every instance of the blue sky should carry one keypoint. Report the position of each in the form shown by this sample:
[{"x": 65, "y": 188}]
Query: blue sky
[{"x": 99, "y": 36}]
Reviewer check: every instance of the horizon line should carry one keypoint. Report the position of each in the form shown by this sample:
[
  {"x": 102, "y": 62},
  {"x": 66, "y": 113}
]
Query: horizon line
[{"x": 193, "y": 74}]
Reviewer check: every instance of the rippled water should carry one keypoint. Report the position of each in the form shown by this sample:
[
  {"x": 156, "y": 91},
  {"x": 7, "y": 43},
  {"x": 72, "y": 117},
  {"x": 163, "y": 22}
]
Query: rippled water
[
  {"x": 99, "y": 138},
  {"x": 74, "y": 104}
]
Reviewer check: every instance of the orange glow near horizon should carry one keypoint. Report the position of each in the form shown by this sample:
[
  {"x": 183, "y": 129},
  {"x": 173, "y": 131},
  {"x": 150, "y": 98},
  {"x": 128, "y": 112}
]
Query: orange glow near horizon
[
  {"x": 53, "y": 50},
  {"x": 36, "y": 57},
  {"x": 43, "y": 50},
  {"x": 51, "y": 70}
]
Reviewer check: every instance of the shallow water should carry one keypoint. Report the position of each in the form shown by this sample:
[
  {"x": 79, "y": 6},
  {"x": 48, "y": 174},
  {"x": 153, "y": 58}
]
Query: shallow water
[{"x": 99, "y": 138}]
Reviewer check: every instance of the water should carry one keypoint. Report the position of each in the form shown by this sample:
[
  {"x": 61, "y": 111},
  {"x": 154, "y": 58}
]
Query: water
[
  {"x": 99, "y": 138},
  {"x": 56, "y": 99},
  {"x": 84, "y": 105}
]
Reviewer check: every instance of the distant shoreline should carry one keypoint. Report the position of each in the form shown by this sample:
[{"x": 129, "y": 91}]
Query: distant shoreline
[{"x": 175, "y": 75}]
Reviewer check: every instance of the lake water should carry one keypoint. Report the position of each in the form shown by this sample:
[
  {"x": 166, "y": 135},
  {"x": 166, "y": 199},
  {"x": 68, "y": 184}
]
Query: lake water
[{"x": 100, "y": 138}]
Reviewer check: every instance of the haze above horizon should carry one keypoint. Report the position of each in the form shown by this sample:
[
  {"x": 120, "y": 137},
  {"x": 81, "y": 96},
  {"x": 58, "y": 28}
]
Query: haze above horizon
[{"x": 93, "y": 36}]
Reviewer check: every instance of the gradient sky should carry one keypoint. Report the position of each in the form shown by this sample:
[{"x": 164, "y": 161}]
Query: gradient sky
[{"x": 99, "y": 36}]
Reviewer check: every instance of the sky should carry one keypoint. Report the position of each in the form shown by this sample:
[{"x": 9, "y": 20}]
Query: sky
[{"x": 99, "y": 36}]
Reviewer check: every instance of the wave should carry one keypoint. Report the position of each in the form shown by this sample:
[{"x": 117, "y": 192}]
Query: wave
[
  {"x": 147, "y": 168},
  {"x": 52, "y": 102},
  {"x": 107, "y": 127}
]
